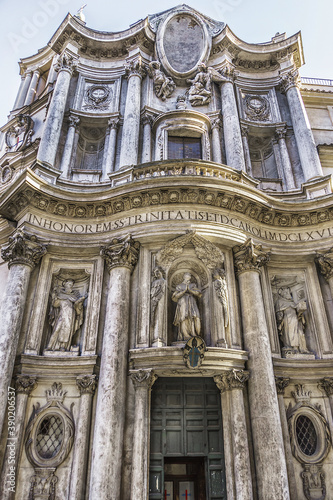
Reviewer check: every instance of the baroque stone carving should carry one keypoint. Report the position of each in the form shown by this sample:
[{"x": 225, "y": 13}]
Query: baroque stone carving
[
  {"x": 281, "y": 383},
  {"x": 143, "y": 378},
  {"x": 256, "y": 107},
  {"x": 249, "y": 257},
  {"x": 194, "y": 352},
  {"x": 86, "y": 383},
  {"x": 163, "y": 85},
  {"x": 326, "y": 384},
  {"x": 66, "y": 62},
  {"x": 73, "y": 121},
  {"x": 23, "y": 249},
  {"x": 65, "y": 316},
  {"x": 121, "y": 253},
  {"x": 314, "y": 485},
  {"x": 97, "y": 97},
  {"x": 181, "y": 102},
  {"x": 325, "y": 261},
  {"x": 221, "y": 290},
  {"x": 232, "y": 379},
  {"x": 157, "y": 306},
  {"x": 18, "y": 136},
  {"x": 289, "y": 80},
  {"x": 43, "y": 484},
  {"x": 200, "y": 92},
  {"x": 187, "y": 315},
  {"x": 25, "y": 384},
  {"x": 135, "y": 68}
]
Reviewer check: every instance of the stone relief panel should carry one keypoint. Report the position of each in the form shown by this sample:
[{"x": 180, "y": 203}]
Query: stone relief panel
[
  {"x": 292, "y": 316},
  {"x": 66, "y": 312},
  {"x": 18, "y": 136},
  {"x": 256, "y": 107},
  {"x": 97, "y": 97},
  {"x": 163, "y": 85}
]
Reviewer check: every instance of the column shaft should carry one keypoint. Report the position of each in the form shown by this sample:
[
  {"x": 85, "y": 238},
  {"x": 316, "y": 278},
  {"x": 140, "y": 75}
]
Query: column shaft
[
  {"x": 19, "y": 93},
  {"x": 31, "y": 94},
  {"x": 23, "y": 94},
  {"x": 68, "y": 148},
  {"x": 285, "y": 160},
  {"x": 110, "y": 149},
  {"x": 146, "y": 143},
  {"x": 246, "y": 149},
  {"x": 231, "y": 128},
  {"x": 216, "y": 141}
]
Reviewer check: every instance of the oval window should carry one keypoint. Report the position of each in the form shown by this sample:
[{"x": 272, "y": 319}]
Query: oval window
[
  {"x": 49, "y": 436},
  {"x": 306, "y": 435}
]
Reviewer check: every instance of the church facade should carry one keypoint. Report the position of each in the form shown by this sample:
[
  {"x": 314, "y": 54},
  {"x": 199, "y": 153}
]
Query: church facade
[{"x": 166, "y": 239}]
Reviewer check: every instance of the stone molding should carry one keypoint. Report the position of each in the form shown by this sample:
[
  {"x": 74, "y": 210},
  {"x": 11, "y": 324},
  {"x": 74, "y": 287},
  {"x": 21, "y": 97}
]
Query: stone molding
[
  {"x": 289, "y": 80},
  {"x": 86, "y": 383},
  {"x": 325, "y": 261},
  {"x": 143, "y": 379},
  {"x": 135, "y": 68},
  {"x": 23, "y": 249},
  {"x": 147, "y": 119},
  {"x": 121, "y": 253},
  {"x": 113, "y": 123},
  {"x": 281, "y": 383},
  {"x": 25, "y": 384},
  {"x": 73, "y": 121},
  {"x": 66, "y": 63},
  {"x": 249, "y": 257},
  {"x": 233, "y": 379},
  {"x": 326, "y": 384}
]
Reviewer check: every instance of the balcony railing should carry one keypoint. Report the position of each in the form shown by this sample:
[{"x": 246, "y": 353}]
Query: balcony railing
[{"x": 317, "y": 81}]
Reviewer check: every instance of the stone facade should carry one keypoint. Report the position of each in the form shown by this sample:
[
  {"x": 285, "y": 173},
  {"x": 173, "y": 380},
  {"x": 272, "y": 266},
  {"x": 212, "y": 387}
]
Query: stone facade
[{"x": 167, "y": 268}]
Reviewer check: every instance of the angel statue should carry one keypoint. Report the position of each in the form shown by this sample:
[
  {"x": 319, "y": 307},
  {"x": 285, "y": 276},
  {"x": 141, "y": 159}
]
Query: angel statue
[
  {"x": 200, "y": 92},
  {"x": 66, "y": 315},
  {"x": 157, "y": 309},
  {"x": 163, "y": 85}
]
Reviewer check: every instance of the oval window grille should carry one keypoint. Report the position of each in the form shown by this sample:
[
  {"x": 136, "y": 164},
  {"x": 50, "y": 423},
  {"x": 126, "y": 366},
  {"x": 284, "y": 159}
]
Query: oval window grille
[
  {"x": 49, "y": 436},
  {"x": 306, "y": 435}
]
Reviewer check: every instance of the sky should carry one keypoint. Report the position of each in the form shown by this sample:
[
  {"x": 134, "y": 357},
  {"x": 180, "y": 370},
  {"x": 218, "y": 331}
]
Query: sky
[{"x": 28, "y": 25}]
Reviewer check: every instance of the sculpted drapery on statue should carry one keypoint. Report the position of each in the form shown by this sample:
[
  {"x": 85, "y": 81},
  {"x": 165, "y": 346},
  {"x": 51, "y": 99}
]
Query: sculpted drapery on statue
[
  {"x": 157, "y": 310},
  {"x": 200, "y": 92},
  {"x": 66, "y": 315},
  {"x": 290, "y": 320},
  {"x": 187, "y": 316}
]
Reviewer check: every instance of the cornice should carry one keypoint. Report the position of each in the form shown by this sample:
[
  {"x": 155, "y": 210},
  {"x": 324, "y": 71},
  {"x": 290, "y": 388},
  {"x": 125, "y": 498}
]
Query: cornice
[{"x": 232, "y": 194}]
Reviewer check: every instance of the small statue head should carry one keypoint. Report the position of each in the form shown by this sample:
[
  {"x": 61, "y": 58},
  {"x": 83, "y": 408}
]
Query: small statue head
[
  {"x": 285, "y": 293},
  {"x": 68, "y": 284},
  {"x": 187, "y": 277}
]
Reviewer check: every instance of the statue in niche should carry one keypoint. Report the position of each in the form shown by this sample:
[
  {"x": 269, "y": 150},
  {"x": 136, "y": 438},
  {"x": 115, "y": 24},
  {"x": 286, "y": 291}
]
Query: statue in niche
[
  {"x": 157, "y": 309},
  {"x": 291, "y": 321},
  {"x": 66, "y": 315},
  {"x": 200, "y": 92},
  {"x": 163, "y": 85},
  {"x": 187, "y": 316},
  {"x": 220, "y": 287}
]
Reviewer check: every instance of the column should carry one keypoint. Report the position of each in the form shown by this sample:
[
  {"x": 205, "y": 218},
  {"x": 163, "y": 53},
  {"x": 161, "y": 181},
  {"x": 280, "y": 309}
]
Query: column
[
  {"x": 146, "y": 142},
  {"x": 22, "y": 254},
  {"x": 87, "y": 386},
  {"x": 216, "y": 140},
  {"x": 31, "y": 94},
  {"x": 53, "y": 123},
  {"x": 143, "y": 381},
  {"x": 326, "y": 384},
  {"x": 110, "y": 148},
  {"x": 24, "y": 385},
  {"x": 73, "y": 123},
  {"x": 234, "y": 380},
  {"x": 281, "y": 384},
  {"x": 245, "y": 139},
  {"x": 23, "y": 93},
  {"x": 231, "y": 127},
  {"x": 265, "y": 420},
  {"x": 305, "y": 142},
  {"x": 284, "y": 155},
  {"x": 135, "y": 71},
  {"x": 325, "y": 261},
  {"x": 121, "y": 257},
  {"x": 19, "y": 93}
]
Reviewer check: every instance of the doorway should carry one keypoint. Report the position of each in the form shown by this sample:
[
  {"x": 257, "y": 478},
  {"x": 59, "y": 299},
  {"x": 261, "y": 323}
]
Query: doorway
[{"x": 184, "y": 479}]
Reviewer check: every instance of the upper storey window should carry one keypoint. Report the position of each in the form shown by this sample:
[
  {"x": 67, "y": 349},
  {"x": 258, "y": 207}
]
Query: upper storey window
[{"x": 184, "y": 147}]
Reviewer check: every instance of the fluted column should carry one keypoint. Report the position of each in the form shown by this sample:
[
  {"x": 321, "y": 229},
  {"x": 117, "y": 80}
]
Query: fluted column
[
  {"x": 234, "y": 381},
  {"x": 110, "y": 148},
  {"x": 146, "y": 142},
  {"x": 73, "y": 123},
  {"x": 24, "y": 90},
  {"x": 22, "y": 254},
  {"x": 53, "y": 123},
  {"x": 285, "y": 159},
  {"x": 32, "y": 88},
  {"x": 326, "y": 384},
  {"x": 231, "y": 126},
  {"x": 325, "y": 261},
  {"x": 245, "y": 139},
  {"x": 87, "y": 386},
  {"x": 121, "y": 257},
  {"x": 305, "y": 142},
  {"x": 216, "y": 140},
  {"x": 281, "y": 384},
  {"x": 24, "y": 385},
  {"x": 135, "y": 71},
  {"x": 143, "y": 381},
  {"x": 265, "y": 420}
]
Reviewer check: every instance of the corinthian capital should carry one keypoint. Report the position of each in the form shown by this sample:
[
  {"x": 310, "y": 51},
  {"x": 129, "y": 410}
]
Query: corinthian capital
[
  {"x": 249, "y": 257},
  {"x": 291, "y": 79},
  {"x": 86, "y": 384},
  {"x": 327, "y": 385},
  {"x": 325, "y": 261},
  {"x": 281, "y": 383},
  {"x": 121, "y": 253},
  {"x": 135, "y": 68},
  {"x": 23, "y": 248},
  {"x": 143, "y": 378},
  {"x": 66, "y": 62},
  {"x": 25, "y": 384},
  {"x": 233, "y": 379}
]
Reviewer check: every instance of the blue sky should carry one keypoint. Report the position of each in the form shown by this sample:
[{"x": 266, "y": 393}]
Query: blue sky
[{"x": 27, "y": 25}]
